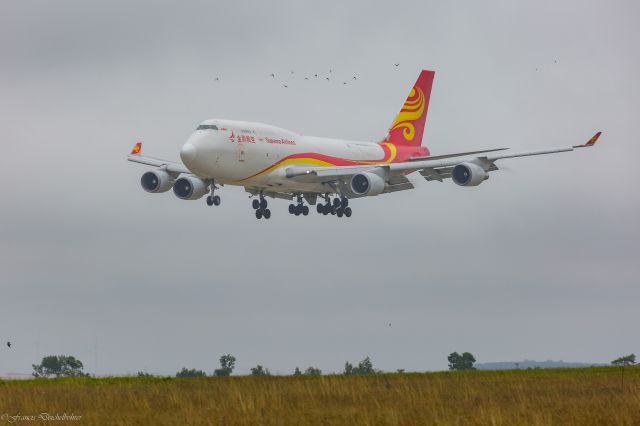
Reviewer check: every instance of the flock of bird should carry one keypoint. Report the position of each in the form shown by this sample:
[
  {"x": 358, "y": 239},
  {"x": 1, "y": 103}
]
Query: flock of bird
[
  {"x": 315, "y": 76},
  {"x": 328, "y": 78}
]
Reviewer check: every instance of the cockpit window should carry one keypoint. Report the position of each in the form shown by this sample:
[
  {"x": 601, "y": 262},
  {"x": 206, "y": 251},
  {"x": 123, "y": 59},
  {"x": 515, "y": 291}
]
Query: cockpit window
[{"x": 207, "y": 127}]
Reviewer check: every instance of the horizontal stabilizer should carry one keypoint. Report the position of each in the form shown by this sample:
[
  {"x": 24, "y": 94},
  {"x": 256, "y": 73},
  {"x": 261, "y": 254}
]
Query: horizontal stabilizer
[
  {"x": 170, "y": 166},
  {"x": 136, "y": 149}
]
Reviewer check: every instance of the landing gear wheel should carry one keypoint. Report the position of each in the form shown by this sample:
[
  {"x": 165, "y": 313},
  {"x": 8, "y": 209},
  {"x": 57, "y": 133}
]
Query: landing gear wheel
[
  {"x": 256, "y": 204},
  {"x": 297, "y": 210},
  {"x": 258, "y": 214},
  {"x": 267, "y": 214},
  {"x": 263, "y": 203},
  {"x": 336, "y": 202},
  {"x": 292, "y": 208},
  {"x": 347, "y": 212},
  {"x": 344, "y": 202},
  {"x": 319, "y": 208},
  {"x": 209, "y": 200},
  {"x": 305, "y": 210},
  {"x": 340, "y": 213},
  {"x": 216, "y": 200}
]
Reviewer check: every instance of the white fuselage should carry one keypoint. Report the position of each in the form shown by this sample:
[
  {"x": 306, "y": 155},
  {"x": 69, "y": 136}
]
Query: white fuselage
[{"x": 257, "y": 155}]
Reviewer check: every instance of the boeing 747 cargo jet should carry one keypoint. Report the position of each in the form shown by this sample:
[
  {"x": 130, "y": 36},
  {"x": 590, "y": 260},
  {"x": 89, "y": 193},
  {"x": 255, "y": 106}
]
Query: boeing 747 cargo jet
[{"x": 276, "y": 163}]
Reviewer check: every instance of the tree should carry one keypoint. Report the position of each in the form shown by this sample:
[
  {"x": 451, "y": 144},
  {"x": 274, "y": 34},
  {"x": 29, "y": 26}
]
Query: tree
[
  {"x": 144, "y": 374},
  {"x": 259, "y": 370},
  {"x": 364, "y": 367},
  {"x": 312, "y": 371},
  {"x": 624, "y": 360},
  {"x": 297, "y": 372},
  {"x": 59, "y": 366},
  {"x": 227, "y": 364},
  {"x": 190, "y": 373},
  {"x": 348, "y": 369},
  {"x": 461, "y": 362}
]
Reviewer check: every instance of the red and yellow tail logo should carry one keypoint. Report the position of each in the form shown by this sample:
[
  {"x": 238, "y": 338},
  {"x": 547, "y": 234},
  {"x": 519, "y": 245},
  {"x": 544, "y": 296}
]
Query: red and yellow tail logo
[
  {"x": 408, "y": 127},
  {"x": 136, "y": 149}
]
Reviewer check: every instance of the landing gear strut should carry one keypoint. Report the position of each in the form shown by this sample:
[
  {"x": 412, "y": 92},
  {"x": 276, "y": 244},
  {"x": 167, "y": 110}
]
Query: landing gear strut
[
  {"x": 300, "y": 208},
  {"x": 212, "y": 199},
  {"x": 260, "y": 206},
  {"x": 339, "y": 206}
]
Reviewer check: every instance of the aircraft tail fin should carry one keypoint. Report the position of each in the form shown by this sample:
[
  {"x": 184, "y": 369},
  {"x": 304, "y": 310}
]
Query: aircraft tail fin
[{"x": 408, "y": 127}]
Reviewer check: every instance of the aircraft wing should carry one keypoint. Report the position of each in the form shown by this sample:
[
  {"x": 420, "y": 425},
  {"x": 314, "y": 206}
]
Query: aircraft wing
[
  {"x": 436, "y": 168},
  {"x": 170, "y": 166}
]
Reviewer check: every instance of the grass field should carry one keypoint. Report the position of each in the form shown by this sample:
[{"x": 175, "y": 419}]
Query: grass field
[{"x": 590, "y": 396}]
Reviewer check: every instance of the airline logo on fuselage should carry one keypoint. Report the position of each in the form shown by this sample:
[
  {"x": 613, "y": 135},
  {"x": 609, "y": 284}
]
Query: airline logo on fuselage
[
  {"x": 242, "y": 138},
  {"x": 282, "y": 141}
]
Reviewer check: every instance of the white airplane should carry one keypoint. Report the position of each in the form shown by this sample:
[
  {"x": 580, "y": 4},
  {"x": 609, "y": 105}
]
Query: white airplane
[{"x": 272, "y": 162}]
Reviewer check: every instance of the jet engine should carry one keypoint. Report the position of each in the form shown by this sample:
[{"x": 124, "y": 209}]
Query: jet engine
[
  {"x": 468, "y": 174},
  {"x": 156, "y": 181},
  {"x": 190, "y": 188},
  {"x": 367, "y": 184}
]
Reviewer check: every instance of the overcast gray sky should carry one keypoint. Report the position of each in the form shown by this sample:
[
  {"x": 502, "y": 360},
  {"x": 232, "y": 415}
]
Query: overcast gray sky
[{"x": 539, "y": 262}]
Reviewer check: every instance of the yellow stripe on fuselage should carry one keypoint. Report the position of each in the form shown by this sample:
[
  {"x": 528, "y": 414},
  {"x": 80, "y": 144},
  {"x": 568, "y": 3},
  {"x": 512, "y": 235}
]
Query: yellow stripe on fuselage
[{"x": 322, "y": 163}]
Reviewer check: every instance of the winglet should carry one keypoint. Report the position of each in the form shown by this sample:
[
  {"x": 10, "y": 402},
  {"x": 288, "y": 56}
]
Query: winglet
[
  {"x": 136, "y": 149},
  {"x": 591, "y": 141}
]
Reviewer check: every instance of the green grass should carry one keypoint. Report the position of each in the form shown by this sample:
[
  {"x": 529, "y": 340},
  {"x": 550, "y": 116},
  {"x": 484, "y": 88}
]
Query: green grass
[{"x": 589, "y": 396}]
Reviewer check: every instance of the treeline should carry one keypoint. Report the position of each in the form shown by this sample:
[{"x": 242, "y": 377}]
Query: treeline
[{"x": 69, "y": 366}]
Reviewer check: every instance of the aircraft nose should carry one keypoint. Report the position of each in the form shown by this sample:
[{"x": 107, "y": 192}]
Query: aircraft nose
[{"x": 188, "y": 154}]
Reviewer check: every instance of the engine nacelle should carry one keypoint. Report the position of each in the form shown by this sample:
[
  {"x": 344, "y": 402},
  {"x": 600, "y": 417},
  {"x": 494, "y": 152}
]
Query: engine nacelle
[
  {"x": 468, "y": 174},
  {"x": 367, "y": 184},
  {"x": 156, "y": 181},
  {"x": 190, "y": 188}
]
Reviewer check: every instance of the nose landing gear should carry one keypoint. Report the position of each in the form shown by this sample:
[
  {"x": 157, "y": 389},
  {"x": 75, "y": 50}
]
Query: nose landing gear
[{"x": 212, "y": 199}]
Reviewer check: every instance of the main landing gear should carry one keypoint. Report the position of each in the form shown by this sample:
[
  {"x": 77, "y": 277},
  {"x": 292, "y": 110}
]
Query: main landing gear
[
  {"x": 300, "y": 208},
  {"x": 260, "y": 207},
  {"x": 212, "y": 199},
  {"x": 339, "y": 207}
]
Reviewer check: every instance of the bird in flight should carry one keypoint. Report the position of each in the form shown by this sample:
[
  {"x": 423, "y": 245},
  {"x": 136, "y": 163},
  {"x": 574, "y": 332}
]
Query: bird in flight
[
  {"x": 330, "y": 71},
  {"x": 315, "y": 75},
  {"x": 285, "y": 85},
  {"x": 327, "y": 78},
  {"x": 9, "y": 344},
  {"x": 272, "y": 75},
  {"x": 397, "y": 65},
  {"x": 306, "y": 78},
  {"x": 291, "y": 72},
  {"x": 344, "y": 82},
  {"x": 217, "y": 79},
  {"x": 354, "y": 77}
]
